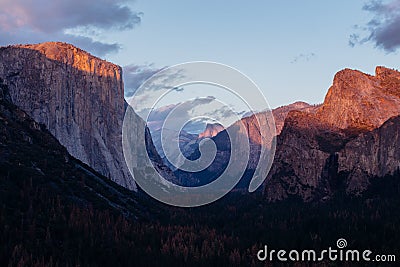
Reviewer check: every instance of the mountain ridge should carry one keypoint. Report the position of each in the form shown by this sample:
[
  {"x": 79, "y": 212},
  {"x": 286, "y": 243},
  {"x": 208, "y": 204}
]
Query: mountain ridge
[
  {"x": 314, "y": 147},
  {"x": 80, "y": 99}
]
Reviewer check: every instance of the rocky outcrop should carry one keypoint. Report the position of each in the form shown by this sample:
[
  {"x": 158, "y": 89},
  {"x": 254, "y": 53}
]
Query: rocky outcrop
[
  {"x": 317, "y": 145},
  {"x": 140, "y": 152},
  {"x": 361, "y": 101},
  {"x": 281, "y": 113},
  {"x": 252, "y": 125},
  {"x": 316, "y": 149},
  {"x": 259, "y": 132},
  {"x": 372, "y": 154},
  {"x": 303, "y": 158},
  {"x": 212, "y": 129},
  {"x": 80, "y": 99}
]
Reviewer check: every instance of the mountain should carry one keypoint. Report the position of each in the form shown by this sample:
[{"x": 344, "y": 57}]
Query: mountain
[
  {"x": 212, "y": 129},
  {"x": 188, "y": 143},
  {"x": 361, "y": 101},
  {"x": 58, "y": 211},
  {"x": 320, "y": 150},
  {"x": 235, "y": 132},
  {"x": 34, "y": 166},
  {"x": 281, "y": 113},
  {"x": 32, "y": 157},
  {"x": 184, "y": 138},
  {"x": 252, "y": 125},
  {"x": 78, "y": 97},
  {"x": 372, "y": 154},
  {"x": 141, "y": 155},
  {"x": 318, "y": 145}
]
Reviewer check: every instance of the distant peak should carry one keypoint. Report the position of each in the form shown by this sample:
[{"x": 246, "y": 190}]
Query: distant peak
[
  {"x": 299, "y": 104},
  {"x": 212, "y": 129}
]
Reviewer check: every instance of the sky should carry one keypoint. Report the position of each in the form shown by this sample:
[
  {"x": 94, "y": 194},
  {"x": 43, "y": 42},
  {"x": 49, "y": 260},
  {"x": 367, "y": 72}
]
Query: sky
[{"x": 290, "y": 49}]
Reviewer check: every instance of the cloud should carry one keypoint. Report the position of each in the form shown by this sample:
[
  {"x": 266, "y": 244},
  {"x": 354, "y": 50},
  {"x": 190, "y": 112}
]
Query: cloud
[
  {"x": 162, "y": 84},
  {"x": 95, "y": 47},
  {"x": 383, "y": 29},
  {"x": 195, "y": 112},
  {"x": 81, "y": 22},
  {"x": 186, "y": 109},
  {"x": 182, "y": 111},
  {"x": 135, "y": 75},
  {"x": 303, "y": 57}
]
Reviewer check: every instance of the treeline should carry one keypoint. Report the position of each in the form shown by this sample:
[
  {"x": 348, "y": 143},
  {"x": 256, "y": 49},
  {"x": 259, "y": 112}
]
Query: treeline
[{"x": 42, "y": 229}]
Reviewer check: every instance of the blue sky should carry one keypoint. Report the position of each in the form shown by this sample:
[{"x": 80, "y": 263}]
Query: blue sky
[{"x": 291, "y": 49}]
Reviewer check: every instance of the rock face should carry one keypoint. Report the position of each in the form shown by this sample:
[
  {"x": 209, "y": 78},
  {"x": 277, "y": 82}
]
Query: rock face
[
  {"x": 281, "y": 113},
  {"x": 138, "y": 142},
  {"x": 252, "y": 124},
  {"x": 342, "y": 141},
  {"x": 78, "y": 97},
  {"x": 371, "y": 154},
  {"x": 29, "y": 153},
  {"x": 362, "y": 101},
  {"x": 303, "y": 157},
  {"x": 252, "y": 128},
  {"x": 212, "y": 129}
]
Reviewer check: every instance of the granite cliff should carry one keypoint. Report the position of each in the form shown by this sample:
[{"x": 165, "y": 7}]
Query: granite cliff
[
  {"x": 252, "y": 125},
  {"x": 345, "y": 141},
  {"x": 371, "y": 154},
  {"x": 281, "y": 113},
  {"x": 361, "y": 101},
  {"x": 78, "y": 97},
  {"x": 211, "y": 130},
  {"x": 35, "y": 169}
]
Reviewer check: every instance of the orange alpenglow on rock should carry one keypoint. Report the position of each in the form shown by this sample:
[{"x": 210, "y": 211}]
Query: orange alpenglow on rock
[
  {"x": 212, "y": 129},
  {"x": 354, "y": 134},
  {"x": 79, "y": 97}
]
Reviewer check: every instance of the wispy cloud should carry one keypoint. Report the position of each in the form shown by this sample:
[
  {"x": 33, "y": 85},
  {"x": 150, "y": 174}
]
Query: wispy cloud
[
  {"x": 184, "y": 111},
  {"x": 75, "y": 21},
  {"x": 303, "y": 58},
  {"x": 196, "y": 113},
  {"x": 383, "y": 30},
  {"x": 136, "y": 75}
]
